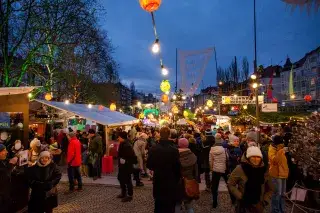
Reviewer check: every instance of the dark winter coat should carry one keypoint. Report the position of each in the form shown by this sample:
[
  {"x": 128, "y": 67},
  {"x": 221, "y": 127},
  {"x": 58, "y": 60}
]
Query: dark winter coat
[
  {"x": 5, "y": 186},
  {"x": 126, "y": 152},
  {"x": 41, "y": 180},
  {"x": 95, "y": 145},
  {"x": 235, "y": 154},
  {"x": 164, "y": 161},
  {"x": 207, "y": 144}
]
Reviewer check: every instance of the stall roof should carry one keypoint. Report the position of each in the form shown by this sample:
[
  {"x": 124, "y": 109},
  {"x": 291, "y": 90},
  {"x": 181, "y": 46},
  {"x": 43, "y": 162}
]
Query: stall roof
[
  {"x": 97, "y": 113},
  {"x": 15, "y": 90}
]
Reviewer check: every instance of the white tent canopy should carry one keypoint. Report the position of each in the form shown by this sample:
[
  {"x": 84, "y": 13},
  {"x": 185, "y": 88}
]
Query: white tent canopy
[{"x": 99, "y": 114}]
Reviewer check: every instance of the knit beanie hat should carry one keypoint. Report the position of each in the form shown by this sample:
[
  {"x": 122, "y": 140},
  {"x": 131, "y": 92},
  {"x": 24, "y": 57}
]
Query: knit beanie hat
[
  {"x": 2, "y": 147},
  {"x": 45, "y": 154},
  {"x": 143, "y": 136},
  {"x": 208, "y": 132},
  {"x": 35, "y": 143},
  {"x": 254, "y": 151},
  {"x": 277, "y": 140},
  {"x": 183, "y": 143}
]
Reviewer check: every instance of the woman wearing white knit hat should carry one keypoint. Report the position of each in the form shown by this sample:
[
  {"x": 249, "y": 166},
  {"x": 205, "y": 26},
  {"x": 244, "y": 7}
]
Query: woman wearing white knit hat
[{"x": 249, "y": 183}]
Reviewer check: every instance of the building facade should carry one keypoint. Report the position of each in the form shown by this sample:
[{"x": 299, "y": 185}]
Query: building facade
[{"x": 306, "y": 77}]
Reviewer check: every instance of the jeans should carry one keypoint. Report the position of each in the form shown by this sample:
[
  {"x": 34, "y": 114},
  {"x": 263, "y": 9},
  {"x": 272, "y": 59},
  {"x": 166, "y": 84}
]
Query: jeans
[
  {"x": 136, "y": 175},
  {"x": 187, "y": 206},
  {"x": 74, "y": 173},
  {"x": 96, "y": 170},
  {"x": 126, "y": 184},
  {"x": 164, "y": 206},
  {"x": 277, "y": 201},
  {"x": 215, "y": 186},
  {"x": 207, "y": 178}
]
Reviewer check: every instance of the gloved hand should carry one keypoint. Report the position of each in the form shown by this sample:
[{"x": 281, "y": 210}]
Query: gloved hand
[{"x": 122, "y": 161}]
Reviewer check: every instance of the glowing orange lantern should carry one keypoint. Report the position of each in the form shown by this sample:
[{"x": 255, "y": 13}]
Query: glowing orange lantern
[
  {"x": 113, "y": 107},
  {"x": 308, "y": 98},
  {"x": 164, "y": 98},
  {"x": 175, "y": 109},
  {"x": 48, "y": 97},
  {"x": 100, "y": 108},
  {"x": 150, "y": 5}
]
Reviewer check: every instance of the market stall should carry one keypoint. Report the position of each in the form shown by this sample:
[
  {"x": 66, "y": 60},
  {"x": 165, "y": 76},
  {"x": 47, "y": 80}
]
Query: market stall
[{"x": 83, "y": 116}]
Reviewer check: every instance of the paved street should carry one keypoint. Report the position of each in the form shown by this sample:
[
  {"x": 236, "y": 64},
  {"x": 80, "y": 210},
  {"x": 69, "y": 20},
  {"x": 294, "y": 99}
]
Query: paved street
[{"x": 100, "y": 198}]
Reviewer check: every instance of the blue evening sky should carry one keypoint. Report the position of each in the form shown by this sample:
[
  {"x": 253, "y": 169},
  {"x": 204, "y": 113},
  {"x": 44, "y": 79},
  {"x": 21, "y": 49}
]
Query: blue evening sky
[{"x": 199, "y": 24}]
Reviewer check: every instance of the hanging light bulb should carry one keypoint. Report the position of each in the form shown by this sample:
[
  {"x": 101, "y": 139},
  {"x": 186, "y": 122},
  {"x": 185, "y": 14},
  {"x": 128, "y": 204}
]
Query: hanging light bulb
[
  {"x": 30, "y": 95},
  {"x": 174, "y": 97},
  {"x": 167, "y": 92},
  {"x": 206, "y": 108},
  {"x": 192, "y": 99},
  {"x": 156, "y": 47},
  {"x": 164, "y": 70},
  {"x": 255, "y": 85},
  {"x": 89, "y": 106},
  {"x": 184, "y": 97},
  {"x": 253, "y": 77},
  {"x": 67, "y": 102},
  {"x": 245, "y": 106}
]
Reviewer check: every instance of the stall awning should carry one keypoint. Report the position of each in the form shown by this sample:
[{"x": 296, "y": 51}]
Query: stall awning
[
  {"x": 15, "y": 90},
  {"x": 97, "y": 113}
]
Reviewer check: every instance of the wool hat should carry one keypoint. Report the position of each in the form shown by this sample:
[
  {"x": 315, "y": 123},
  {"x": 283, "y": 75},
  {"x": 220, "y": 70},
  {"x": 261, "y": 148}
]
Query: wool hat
[
  {"x": 254, "y": 151},
  {"x": 35, "y": 143},
  {"x": 183, "y": 143},
  {"x": 208, "y": 132},
  {"x": 233, "y": 138},
  {"x": 277, "y": 140},
  {"x": 143, "y": 136},
  {"x": 45, "y": 154},
  {"x": 2, "y": 147},
  {"x": 123, "y": 135},
  {"x": 72, "y": 134}
]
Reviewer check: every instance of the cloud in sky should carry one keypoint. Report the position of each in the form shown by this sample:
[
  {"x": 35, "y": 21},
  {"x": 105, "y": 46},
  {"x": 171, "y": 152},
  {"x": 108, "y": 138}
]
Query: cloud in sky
[{"x": 194, "y": 25}]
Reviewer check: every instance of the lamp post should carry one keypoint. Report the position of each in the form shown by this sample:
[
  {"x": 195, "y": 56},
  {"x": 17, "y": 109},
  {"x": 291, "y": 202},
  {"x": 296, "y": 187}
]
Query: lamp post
[{"x": 256, "y": 79}]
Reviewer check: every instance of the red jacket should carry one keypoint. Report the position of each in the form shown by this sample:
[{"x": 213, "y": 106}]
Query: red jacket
[{"x": 74, "y": 152}]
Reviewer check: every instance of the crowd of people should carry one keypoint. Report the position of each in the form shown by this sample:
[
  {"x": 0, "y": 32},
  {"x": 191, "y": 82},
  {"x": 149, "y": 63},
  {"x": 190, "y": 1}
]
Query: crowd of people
[
  {"x": 255, "y": 173},
  {"x": 34, "y": 184},
  {"x": 174, "y": 159}
]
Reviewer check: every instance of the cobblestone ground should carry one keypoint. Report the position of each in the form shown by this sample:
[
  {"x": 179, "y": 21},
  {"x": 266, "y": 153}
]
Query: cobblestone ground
[{"x": 99, "y": 199}]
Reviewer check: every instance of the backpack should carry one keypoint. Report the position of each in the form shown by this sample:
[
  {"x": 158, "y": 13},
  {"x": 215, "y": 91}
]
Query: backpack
[{"x": 191, "y": 188}]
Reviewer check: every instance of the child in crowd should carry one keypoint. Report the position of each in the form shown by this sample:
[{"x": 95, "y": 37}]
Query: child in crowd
[{"x": 84, "y": 165}]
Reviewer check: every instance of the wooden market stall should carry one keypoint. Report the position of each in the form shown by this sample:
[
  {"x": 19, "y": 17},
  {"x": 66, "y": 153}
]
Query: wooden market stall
[{"x": 94, "y": 114}]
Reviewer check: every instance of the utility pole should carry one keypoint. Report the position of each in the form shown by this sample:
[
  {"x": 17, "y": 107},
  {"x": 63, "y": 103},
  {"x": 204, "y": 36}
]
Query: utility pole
[
  {"x": 255, "y": 72},
  {"x": 176, "y": 89}
]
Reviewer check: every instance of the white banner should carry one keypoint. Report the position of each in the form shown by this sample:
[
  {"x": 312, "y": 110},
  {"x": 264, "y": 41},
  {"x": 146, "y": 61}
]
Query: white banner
[
  {"x": 241, "y": 100},
  {"x": 269, "y": 107}
]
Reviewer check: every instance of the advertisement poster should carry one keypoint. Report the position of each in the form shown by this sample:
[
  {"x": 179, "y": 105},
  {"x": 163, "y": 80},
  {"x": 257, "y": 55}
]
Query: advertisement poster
[{"x": 23, "y": 158}]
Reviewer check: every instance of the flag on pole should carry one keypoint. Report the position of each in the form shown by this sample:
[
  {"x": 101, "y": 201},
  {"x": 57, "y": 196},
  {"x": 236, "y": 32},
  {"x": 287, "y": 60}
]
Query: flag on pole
[{"x": 291, "y": 92}]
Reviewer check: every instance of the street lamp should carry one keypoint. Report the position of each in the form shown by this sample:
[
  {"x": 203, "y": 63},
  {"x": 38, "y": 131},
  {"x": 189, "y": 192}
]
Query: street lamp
[
  {"x": 139, "y": 104},
  {"x": 89, "y": 106},
  {"x": 164, "y": 70},
  {"x": 254, "y": 85},
  {"x": 245, "y": 106},
  {"x": 174, "y": 97},
  {"x": 292, "y": 96},
  {"x": 220, "y": 83},
  {"x": 156, "y": 47},
  {"x": 67, "y": 102},
  {"x": 253, "y": 76},
  {"x": 184, "y": 97}
]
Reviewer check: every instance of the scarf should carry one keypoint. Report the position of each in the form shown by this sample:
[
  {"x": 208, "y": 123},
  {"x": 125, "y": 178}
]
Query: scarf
[{"x": 252, "y": 191}]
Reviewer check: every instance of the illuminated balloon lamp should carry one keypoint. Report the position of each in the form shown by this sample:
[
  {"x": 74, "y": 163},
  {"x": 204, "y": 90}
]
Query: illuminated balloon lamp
[
  {"x": 150, "y": 5},
  {"x": 48, "y": 97},
  {"x": 308, "y": 98},
  {"x": 165, "y": 86},
  {"x": 113, "y": 107},
  {"x": 209, "y": 103}
]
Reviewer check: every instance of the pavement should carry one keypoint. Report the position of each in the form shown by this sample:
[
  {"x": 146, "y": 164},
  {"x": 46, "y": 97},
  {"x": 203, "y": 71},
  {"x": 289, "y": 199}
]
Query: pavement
[
  {"x": 100, "y": 198},
  {"x": 111, "y": 180}
]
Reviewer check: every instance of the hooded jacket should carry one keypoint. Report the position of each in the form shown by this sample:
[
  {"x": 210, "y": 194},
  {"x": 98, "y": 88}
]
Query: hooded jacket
[
  {"x": 188, "y": 160},
  {"x": 218, "y": 159},
  {"x": 278, "y": 165}
]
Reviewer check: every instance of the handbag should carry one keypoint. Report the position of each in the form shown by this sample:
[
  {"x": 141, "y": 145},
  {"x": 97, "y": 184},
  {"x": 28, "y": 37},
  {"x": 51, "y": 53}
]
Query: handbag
[{"x": 191, "y": 188}]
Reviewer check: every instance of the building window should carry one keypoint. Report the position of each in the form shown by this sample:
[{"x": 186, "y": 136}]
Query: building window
[
  {"x": 303, "y": 84},
  {"x": 294, "y": 74},
  {"x": 313, "y": 59},
  {"x": 302, "y": 72}
]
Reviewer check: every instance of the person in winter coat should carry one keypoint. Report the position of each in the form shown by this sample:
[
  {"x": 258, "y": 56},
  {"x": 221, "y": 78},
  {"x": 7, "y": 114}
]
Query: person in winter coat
[
  {"x": 127, "y": 159},
  {"x": 43, "y": 179},
  {"x": 235, "y": 153},
  {"x": 95, "y": 153},
  {"x": 218, "y": 164},
  {"x": 250, "y": 184},
  {"x": 207, "y": 144},
  {"x": 34, "y": 151},
  {"x": 139, "y": 148},
  {"x": 163, "y": 159},
  {"x": 189, "y": 170},
  {"x": 6, "y": 167},
  {"x": 279, "y": 171},
  {"x": 74, "y": 162}
]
